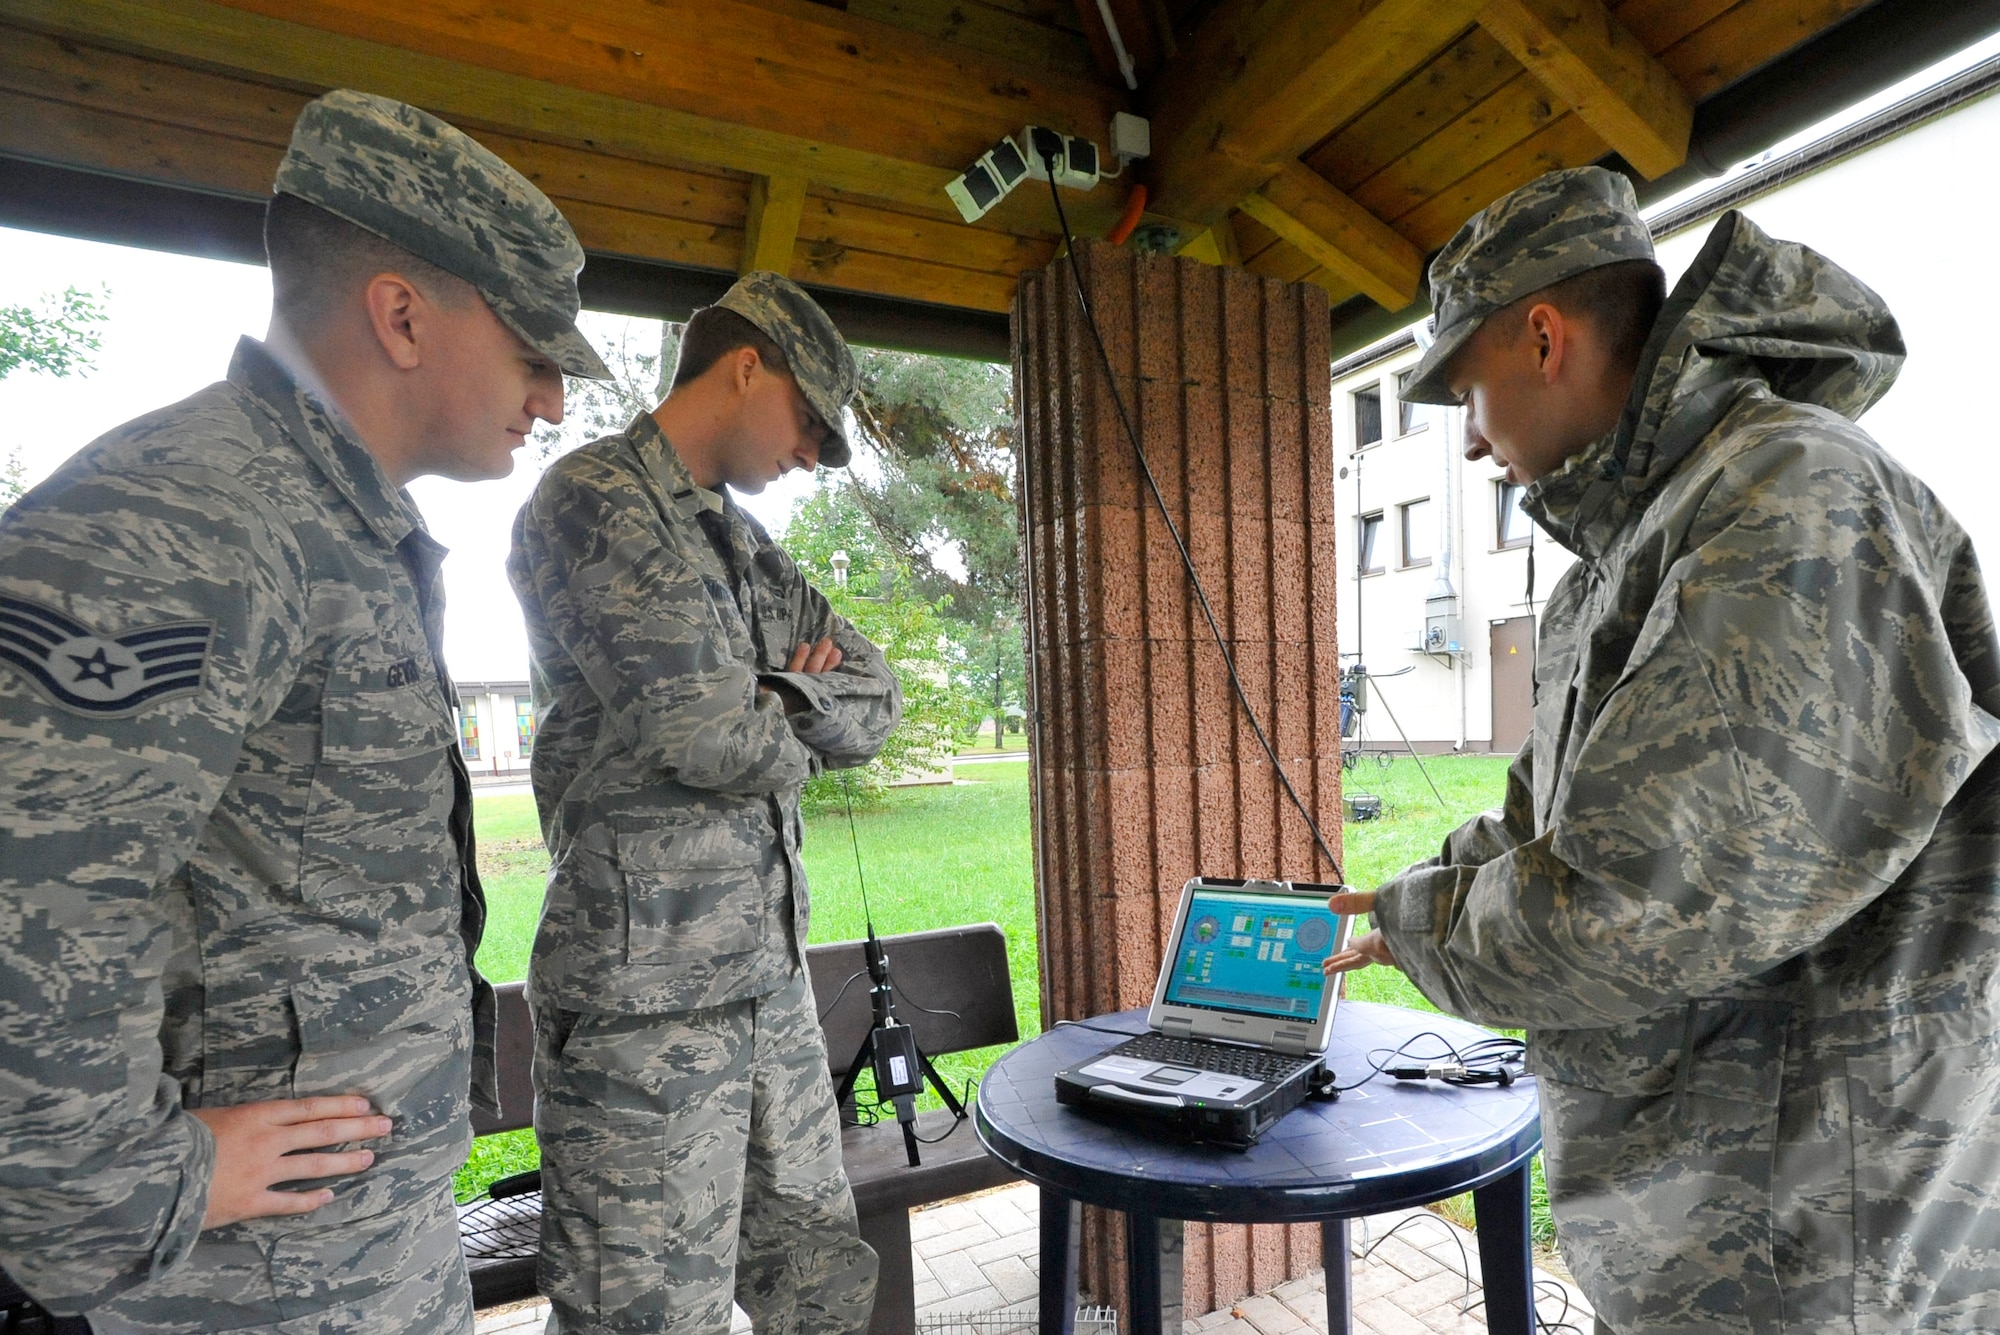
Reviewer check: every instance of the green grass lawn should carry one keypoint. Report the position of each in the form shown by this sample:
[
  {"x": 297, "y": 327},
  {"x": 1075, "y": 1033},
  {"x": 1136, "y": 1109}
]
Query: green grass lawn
[{"x": 938, "y": 856}]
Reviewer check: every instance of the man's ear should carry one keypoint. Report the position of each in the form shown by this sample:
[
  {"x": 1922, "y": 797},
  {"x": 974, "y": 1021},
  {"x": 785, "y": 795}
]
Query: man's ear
[
  {"x": 1549, "y": 335},
  {"x": 743, "y": 364},
  {"x": 395, "y": 311}
]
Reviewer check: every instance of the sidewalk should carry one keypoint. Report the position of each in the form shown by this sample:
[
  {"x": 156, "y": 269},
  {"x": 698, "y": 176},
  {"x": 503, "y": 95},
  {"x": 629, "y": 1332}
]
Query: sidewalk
[{"x": 1414, "y": 1274}]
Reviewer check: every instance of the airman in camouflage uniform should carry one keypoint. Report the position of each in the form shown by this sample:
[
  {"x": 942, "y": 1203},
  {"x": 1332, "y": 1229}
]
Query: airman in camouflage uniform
[
  {"x": 687, "y": 684},
  {"x": 1742, "y": 893},
  {"x": 236, "y": 860},
  {"x": 687, "y": 681}
]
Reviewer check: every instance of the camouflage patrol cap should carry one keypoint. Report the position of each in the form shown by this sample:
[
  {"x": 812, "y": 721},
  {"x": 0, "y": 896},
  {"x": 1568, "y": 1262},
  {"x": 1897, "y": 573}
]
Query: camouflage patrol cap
[
  {"x": 411, "y": 179},
  {"x": 1554, "y": 227},
  {"x": 814, "y": 350}
]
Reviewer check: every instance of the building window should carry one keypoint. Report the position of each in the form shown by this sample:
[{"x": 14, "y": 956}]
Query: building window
[
  {"x": 1419, "y": 534},
  {"x": 1511, "y": 523},
  {"x": 524, "y": 723},
  {"x": 468, "y": 733},
  {"x": 1410, "y": 416},
  {"x": 1371, "y": 544},
  {"x": 1367, "y": 416}
]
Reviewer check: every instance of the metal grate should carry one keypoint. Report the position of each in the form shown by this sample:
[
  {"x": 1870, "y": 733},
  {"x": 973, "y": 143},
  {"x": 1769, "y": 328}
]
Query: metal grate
[{"x": 1019, "y": 1319}]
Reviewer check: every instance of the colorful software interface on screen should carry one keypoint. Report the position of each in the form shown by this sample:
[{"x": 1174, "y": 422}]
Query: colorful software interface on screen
[{"x": 1250, "y": 952}]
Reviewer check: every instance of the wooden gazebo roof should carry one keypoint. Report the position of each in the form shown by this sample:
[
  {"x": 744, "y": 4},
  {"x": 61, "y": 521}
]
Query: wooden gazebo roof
[{"x": 1337, "y": 142}]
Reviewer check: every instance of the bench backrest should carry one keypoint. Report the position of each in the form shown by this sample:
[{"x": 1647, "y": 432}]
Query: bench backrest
[
  {"x": 951, "y": 986},
  {"x": 951, "y": 969}
]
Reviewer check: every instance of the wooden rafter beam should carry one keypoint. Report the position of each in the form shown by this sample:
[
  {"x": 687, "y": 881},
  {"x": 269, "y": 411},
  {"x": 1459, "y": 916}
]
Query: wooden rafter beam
[
  {"x": 1581, "y": 52},
  {"x": 788, "y": 66},
  {"x": 771, "y": 227},
  {"x": 1260, "y": 83},
  {"x": 229, "y": 39},
  {"x": 1342, "y": 236}
]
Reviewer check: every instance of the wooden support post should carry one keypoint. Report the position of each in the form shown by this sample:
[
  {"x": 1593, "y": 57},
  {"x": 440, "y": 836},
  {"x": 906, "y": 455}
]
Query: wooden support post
[{"x": 771, "y": 227}]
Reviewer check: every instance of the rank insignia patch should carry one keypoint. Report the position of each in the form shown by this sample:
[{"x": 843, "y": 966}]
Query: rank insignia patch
[{"x": 104, "y": 676}]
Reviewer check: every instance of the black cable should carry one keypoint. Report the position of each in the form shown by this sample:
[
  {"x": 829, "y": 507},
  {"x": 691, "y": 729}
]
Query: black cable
[
  {"x": 838, "y": 995},
  {"x": 1159, "y": 500},
  {"x": 1499, "y": 1053}
]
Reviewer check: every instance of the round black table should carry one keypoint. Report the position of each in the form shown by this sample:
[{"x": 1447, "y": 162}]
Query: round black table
[{"x": 1384, "y": 1146}]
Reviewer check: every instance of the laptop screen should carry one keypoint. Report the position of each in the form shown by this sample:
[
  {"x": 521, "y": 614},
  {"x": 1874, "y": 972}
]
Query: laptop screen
[{"x": 1256, "y": 953}]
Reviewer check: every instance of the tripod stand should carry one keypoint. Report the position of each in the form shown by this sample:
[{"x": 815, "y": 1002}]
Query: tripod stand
[{"x": 890, "y": 1050}]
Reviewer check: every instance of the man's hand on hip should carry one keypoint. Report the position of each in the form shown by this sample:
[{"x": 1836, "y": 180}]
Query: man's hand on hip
[
  {"x": 1370, "y": 949},
  {"x": 255, "y": 1149}
]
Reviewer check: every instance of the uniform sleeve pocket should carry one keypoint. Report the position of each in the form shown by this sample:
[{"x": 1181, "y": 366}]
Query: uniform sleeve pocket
[{"x": 690, "y": 894}]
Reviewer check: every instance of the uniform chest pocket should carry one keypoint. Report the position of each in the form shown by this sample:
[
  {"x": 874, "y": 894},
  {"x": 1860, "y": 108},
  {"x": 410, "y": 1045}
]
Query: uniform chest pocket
[
  {"x": 691, "y": 894},
  {"x": 378, "y": 811}
]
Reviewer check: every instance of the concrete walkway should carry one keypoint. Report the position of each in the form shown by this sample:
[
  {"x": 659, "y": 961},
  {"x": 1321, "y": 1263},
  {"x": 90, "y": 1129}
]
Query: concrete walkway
[{"x": 1414, "y": 1274}]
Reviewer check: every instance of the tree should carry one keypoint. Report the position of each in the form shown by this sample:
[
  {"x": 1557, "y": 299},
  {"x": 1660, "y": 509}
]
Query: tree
[
  {"x": 56, "y": 340},
  {"x": 942, "y": 436},
  {"x": 641, "y": 367},
  {"x": 884, "y": 603}
]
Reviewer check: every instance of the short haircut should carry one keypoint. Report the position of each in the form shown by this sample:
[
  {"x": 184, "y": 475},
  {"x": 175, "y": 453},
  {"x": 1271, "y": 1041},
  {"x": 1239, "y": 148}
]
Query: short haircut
[
  {"x": 1621, "y": 301},
  {"x": 714, "y": 332},
  {"x": 318, "y": 258}
]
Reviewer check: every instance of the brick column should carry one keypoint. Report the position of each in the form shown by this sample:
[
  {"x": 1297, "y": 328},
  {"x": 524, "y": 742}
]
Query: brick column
[{"x": 1145, "y": 770}]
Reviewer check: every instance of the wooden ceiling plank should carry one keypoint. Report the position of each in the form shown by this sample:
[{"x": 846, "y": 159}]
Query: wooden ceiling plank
[
  {"x": 1598, "y": 69},
  {"x": 991, "y": 29},
  {"x": 88, "y": 76},
  {"x": 1284, "y": 262},
  {"x": 75, "y": 136},
  {"x": 1517, "y": 109},
  {"x": 813, "y": 71},
  {"x": 1336, "y": 232},
  {"x": 1658, "y": 24},
  {"x": 771, "y": 224},
  {"x": 1459, "y": 79},
  {"x": 866, "y": 227},
  {"x": 1746, "y": 37},
  {"x": 214, "y": 36},
  {"x": 1565, "y": 142},
  {"x": 894, "y": 276},
  {"x": 1259, "y": 85},
  {"x": 648, "y": 236}
]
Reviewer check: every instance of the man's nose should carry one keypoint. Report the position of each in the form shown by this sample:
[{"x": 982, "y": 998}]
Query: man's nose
[
  {"x": 546, "y": 400},
  {"x": 1476, "y": 445}
]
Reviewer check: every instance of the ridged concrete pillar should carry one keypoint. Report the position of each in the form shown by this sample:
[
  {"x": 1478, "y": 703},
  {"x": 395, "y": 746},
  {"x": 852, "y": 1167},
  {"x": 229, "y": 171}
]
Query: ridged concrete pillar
[{"x": 1145, "y": 770}]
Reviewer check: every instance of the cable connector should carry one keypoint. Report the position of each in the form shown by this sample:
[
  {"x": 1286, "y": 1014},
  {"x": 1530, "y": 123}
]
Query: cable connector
[
  {"x": 1433, "y": 1071},
  {"x": 1454, "y": 1073}
]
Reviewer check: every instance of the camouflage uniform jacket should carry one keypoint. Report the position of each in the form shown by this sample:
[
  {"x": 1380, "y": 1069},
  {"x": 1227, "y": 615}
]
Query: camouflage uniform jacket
[
  {"x": 235, "y": 845},
  {"x": 668, "y": 783},
  {"x": 1745, "y": 890}
]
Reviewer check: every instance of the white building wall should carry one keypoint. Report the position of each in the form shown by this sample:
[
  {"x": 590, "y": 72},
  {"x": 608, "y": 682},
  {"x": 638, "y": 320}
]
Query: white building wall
[{"x": 1442, "y": 701}]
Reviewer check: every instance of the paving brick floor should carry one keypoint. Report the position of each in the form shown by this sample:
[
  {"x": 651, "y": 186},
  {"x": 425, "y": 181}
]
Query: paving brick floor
[{"x": 1414, "y": 1274}]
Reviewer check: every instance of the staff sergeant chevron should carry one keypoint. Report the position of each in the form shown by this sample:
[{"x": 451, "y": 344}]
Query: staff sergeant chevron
[{"x": 98, "y": 675}]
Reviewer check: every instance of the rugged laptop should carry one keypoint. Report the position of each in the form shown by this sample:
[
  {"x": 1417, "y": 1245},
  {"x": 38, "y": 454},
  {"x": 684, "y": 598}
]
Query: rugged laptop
[{"x": 1240, "y": 1013}]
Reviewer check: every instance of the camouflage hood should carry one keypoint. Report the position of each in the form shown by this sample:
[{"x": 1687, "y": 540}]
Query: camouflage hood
[{"x": 1748, "y": 309}]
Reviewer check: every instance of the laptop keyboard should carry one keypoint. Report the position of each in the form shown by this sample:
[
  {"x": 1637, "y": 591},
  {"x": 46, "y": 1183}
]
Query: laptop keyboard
[{"x": 1255, "y": 1063}]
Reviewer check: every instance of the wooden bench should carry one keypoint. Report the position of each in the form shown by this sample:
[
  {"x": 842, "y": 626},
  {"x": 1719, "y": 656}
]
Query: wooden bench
[{"x": 952, "y": 987}]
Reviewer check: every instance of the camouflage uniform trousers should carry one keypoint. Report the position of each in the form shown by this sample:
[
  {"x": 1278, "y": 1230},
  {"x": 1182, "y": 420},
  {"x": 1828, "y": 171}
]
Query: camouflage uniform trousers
[
  {"x": 691, "y": 1157},
  {"x": 401, "y": 1272}
]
